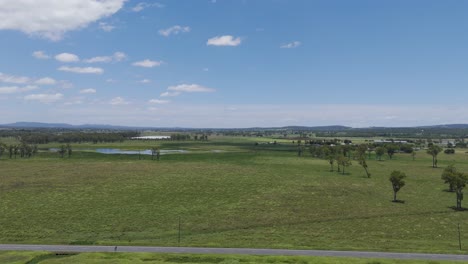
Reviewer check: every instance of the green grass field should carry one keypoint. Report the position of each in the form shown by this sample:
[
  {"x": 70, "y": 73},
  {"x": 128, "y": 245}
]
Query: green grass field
[
  {"x": 22, "y": 257},
  {"x": 263, "y": 198}
]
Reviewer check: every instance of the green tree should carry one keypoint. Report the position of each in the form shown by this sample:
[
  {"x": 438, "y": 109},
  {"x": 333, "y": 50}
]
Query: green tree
[
  {"x": 379, "y": 152},
  {"x": 11, "y": 150},
  {"x": 413, "y": 154},
  {"x": 391, "y": 149},
  {"x": 300, "y": 150},
  {"x": 459, "y": 183},
  {"x": 155, "y": 152},
  {"x": 69, "y": 150},
  {"x": 344, "y": 162},
  {"x": 434, "y": 150},
  {"x": 3, "y": 148},
  {"x": 329, "y": 155},
  {"x": 448, "y": 174},
  {"x": 363, "y": 163},
  {"x": 16, "y": 150},
  {"x": 62, "y": 150},
  {"x": 361, "y": 150},
  {"x": 397, "y": 180}
]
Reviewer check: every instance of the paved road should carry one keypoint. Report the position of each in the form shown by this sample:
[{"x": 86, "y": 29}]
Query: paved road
[{"x": 239, "y": 251}]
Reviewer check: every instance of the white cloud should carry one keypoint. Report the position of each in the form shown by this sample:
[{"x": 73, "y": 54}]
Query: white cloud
[
  {"x": 190, "y": 88},
  {"x": 67, "y": 57},
  {"x": 117, "y": 56},
  {"x": 84, "y": 70},
  {"x": 166, "y": 94},
  {"x": 44, "y": 98},
  {"x": 140, "y": 6},
  {"x": 99, "y": 59},
  {"x": 118, "y": 101},
  {"x": 145, "y": 81},
  {"x": 174, "y": 30},
  {"x": 51, "y": 19},
  {"x": 224, "y": 41},
  {"x": 88, "y": 91},
  {"x": 46, "y": 81},
  {"x": 291, "y": 45},
  {"x": 40, "y": 55},
  {"x": 147, "y": 63},
  {"x": 158, "y": 101},
  {"x": 106, "y": 26},
  {"x": 16, "y": 89},
  {"x": 13, "y": 79}
]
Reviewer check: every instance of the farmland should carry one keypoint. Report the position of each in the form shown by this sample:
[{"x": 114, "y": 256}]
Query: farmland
[{"x": 243, "y": 195}]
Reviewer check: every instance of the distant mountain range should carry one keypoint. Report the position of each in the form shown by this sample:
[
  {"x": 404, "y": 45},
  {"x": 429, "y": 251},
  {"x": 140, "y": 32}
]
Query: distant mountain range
[
  {"x": 25, "y": 125},
  {"x": 63, "y": 125}
]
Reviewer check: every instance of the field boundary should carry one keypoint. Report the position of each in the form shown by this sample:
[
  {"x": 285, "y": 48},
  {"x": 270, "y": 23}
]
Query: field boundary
[{"x": 232, "y": 251}]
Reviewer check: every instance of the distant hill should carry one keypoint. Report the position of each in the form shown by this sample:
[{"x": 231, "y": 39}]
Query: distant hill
[
  {"x": 454, "y": 126},
  {"x": 62, "y": 125},
  {"x": 25, "y": 125},
  {"x": 37, "y": 125},
  {"x": 318, "y": 128}
]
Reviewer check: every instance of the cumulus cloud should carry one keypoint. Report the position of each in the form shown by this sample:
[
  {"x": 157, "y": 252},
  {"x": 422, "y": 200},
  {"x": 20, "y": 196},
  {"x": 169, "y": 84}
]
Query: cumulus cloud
[
  {"x": 117, "y": 56},
  {"x": 147, "y": 63},
  {"x": 67, "y": 57},
  {"x": 145, "y": 81},
  {"x": 16, "y": 89},
  {"x": 118, "y": 101},
  {"x": 83, "y": 70},
  {"x": 227, "y": 40},
  {"x": 174, "y": 30},
  {"x": 190, "y": 88},
  {"x": 88, "y": 91},
  {"x": 40, "y": 55},
  {"x": 291, "y": 45},
  {"x": 166, "y": 94},
  {"x": 44, "y": 98},
  {"x": 46, "y": 81},
  {"x": 158, "y": 101},
  {"x": 106, "y": 26},
  {"x": 13, "y": 79},
  {"x": 51, "y": 19},
  {"x": 140, "y": 6}
]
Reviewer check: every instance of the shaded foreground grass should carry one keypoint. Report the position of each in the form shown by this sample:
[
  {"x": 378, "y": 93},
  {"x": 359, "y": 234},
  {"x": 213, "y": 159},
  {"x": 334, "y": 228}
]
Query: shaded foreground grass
[
  {"x": 263, "y": 199},
  {"x": 22, "y": 257}
]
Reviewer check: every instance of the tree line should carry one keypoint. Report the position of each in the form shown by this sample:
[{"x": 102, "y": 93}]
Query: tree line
[{"x": 23, "y": 150}]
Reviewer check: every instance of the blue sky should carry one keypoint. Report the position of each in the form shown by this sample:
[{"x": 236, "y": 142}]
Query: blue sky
[{"x": 228, "y": 63}]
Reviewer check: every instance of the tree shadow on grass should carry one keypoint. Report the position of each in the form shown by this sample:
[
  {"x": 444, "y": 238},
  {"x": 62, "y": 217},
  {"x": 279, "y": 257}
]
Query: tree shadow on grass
[{"x": 458, "y": 209}]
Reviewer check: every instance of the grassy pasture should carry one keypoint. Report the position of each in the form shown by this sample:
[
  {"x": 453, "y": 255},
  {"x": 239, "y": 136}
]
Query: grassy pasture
[
  {"x": 21, "y": 257},
  {"x": 268, "y": 198}
]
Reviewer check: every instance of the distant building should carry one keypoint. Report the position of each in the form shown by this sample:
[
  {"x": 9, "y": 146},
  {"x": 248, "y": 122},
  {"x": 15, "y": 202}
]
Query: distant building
[
  {"x": 381, "y": 141},
  {"x": 151, "y": 137}
]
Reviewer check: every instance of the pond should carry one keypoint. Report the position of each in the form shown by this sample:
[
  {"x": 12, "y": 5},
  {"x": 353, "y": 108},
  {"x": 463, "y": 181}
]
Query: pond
[
  {"x": 129, "y": 152},
  {"x": 142, "y": 152}
]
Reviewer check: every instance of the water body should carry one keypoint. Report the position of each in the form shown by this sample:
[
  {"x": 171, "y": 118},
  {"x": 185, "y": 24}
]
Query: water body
[
  {"x": 129, "y": 152},
  {"x": 133, "y": 152}
]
